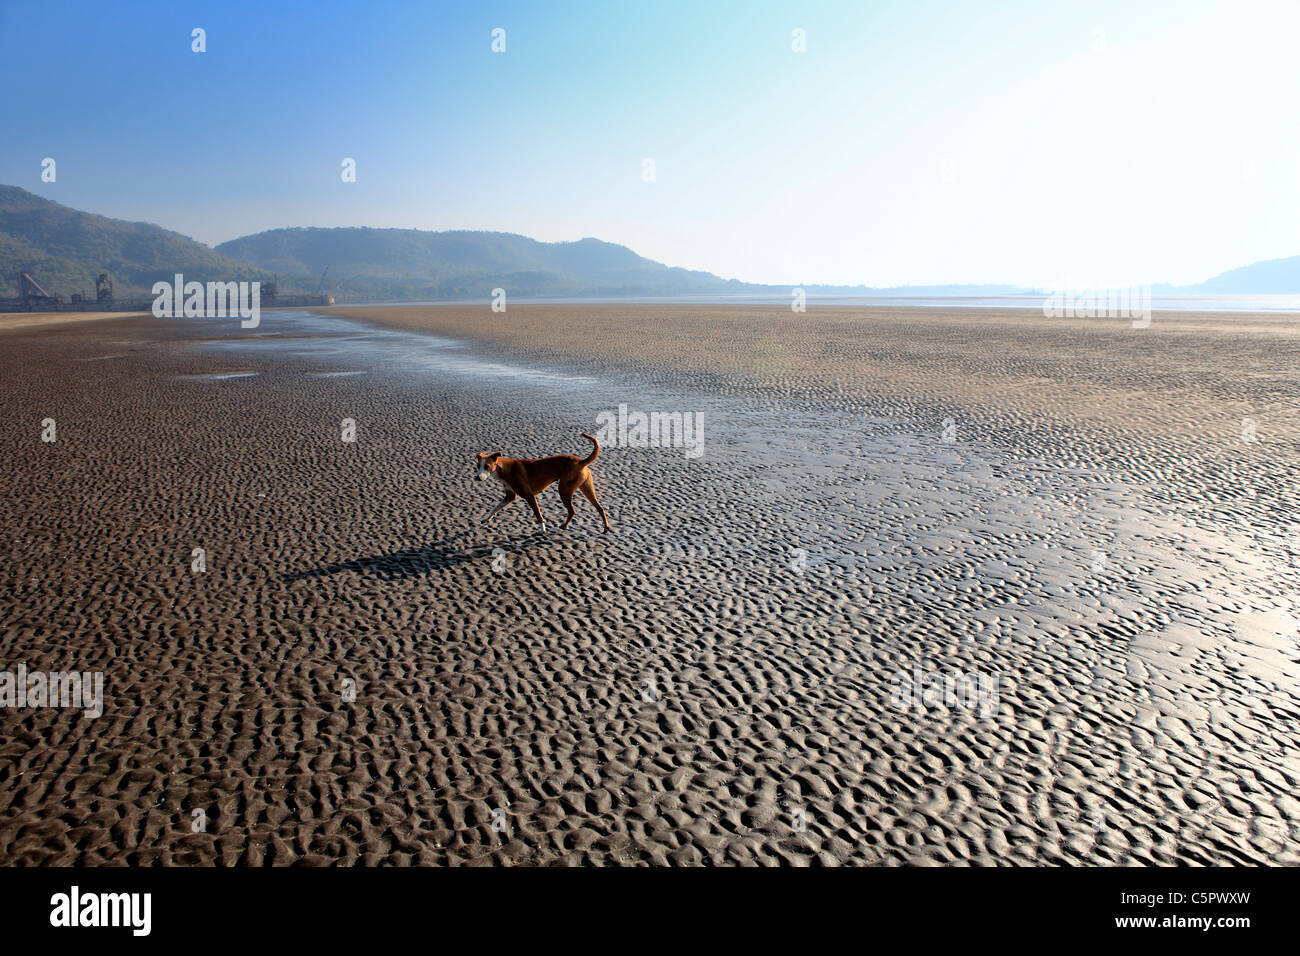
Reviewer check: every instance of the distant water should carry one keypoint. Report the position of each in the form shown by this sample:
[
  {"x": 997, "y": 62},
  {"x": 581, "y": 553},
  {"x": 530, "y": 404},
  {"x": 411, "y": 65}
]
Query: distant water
[
  {"x": 296, "y": 334},
  {"x": 1205, "y": 303}
]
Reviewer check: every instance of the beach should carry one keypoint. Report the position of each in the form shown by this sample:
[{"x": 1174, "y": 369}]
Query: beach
[
  {"x": 917, "y": 587},
  {"x": 28, "y": 320}
]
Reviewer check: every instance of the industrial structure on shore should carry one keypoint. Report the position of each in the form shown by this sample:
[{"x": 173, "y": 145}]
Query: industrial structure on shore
[{"x": 33, "y": 298}]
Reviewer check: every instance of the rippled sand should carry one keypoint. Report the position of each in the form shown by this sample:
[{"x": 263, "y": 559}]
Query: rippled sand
[{"x": 1068, "y": 521}]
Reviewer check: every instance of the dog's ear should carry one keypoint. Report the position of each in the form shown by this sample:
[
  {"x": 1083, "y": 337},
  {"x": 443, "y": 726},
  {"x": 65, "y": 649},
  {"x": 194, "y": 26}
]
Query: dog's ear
[{"x": 495, "y": 455}]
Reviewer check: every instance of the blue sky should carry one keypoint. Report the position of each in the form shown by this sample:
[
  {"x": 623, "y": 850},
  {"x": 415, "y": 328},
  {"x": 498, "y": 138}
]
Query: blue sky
[{"x": 919, "y": 142}]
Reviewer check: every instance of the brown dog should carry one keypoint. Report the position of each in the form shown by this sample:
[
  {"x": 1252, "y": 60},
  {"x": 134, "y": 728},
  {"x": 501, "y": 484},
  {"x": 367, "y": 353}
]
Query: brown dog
[{"x": 528, "y": 477}]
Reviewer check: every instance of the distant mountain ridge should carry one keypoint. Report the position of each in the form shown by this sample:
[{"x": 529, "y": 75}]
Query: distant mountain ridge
[
  {"x": 1270, "y": 277},
  {"x": 64, "y": 249},
  {"x": 417, "y": 264}
]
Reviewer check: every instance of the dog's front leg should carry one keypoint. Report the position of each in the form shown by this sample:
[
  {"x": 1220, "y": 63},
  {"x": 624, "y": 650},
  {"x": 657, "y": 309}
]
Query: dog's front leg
[
  {"x": 537, "y": 510},
  {"x": 510, "y": 496}
]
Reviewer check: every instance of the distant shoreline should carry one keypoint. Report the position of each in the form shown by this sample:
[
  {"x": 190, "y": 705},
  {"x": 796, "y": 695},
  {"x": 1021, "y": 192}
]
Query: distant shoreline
[{"x": 1227, "y": 303}]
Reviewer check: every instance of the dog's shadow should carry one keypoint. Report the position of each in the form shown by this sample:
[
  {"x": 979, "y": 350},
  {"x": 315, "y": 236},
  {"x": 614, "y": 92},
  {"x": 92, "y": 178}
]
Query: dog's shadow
[{"x": 449, "y": 552}]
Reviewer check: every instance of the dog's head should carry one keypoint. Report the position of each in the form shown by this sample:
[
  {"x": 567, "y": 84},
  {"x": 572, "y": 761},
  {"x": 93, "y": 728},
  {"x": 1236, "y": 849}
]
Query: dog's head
[{"x": 487, "y": 464}]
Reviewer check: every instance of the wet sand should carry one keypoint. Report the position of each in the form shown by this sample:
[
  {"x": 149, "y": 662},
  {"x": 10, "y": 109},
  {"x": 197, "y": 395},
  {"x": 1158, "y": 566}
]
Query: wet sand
[
  {"x": 28, "y": 320},
  {"x": 1066, "y": 520}
]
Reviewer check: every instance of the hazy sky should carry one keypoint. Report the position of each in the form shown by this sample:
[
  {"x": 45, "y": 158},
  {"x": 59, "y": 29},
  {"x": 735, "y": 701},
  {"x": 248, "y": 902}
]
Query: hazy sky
[{"x": 917, "y": 142}]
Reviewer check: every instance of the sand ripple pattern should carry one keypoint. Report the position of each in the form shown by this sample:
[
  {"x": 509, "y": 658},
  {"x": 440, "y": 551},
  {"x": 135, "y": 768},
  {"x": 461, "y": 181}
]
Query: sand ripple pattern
[{"x": 715, "y": 684}]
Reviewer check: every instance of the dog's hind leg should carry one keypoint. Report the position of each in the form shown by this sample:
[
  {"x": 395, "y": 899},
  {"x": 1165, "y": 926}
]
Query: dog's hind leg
[
  {"x": 589, "y": 492},
  {"x": 566, "y": 495},
  {"x": 510, "y": 496}
]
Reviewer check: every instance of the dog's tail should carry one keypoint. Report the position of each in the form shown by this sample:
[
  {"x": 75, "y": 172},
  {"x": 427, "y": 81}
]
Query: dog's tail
[{"x": 595, "y": 452}]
